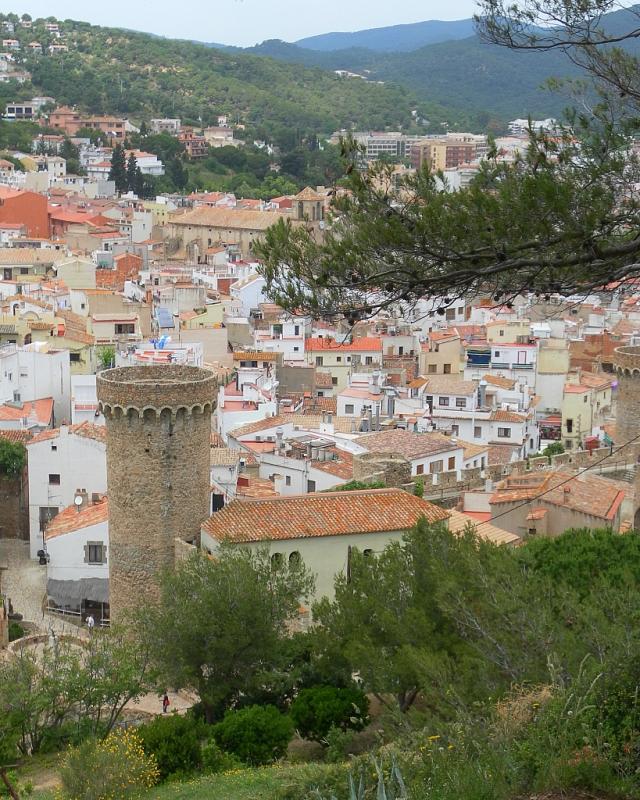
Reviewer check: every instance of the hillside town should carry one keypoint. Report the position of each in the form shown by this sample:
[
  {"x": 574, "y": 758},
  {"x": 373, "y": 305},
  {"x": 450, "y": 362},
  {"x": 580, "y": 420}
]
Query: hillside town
[{"x": 319, "y": 446}]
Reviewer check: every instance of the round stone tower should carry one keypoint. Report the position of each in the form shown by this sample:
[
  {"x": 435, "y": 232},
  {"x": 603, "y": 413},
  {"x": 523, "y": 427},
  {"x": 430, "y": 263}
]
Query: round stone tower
[
  {"x": 158, "y": 421},
  {"x": 626, "y": 361}
]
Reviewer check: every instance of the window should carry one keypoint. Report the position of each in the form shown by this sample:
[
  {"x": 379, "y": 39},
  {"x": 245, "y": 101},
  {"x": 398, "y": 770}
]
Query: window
[
  {"x": 431, "y": 369},
  {"x": 436, "y": 466},
  {"x": 296, "y": 330},
  {"x": 24, "y": 270},
  {"x": 287, "y": 480},
  {"x": 311, "y": 486},
  {"x": 54, "y": 447},
  {"x": 367, "y": 553},
  {"x": 334, "y": 381},
  {"x": 74, "y": 358},
  {"x": 339, "y": 359},
  {"x": 348, "y": 409},
  {"x": 348, "y": 358},
  {"x": 450, "y": 314},
  {"x": 296, "y": 349},
  {"x": 124, "y": 328},
  {"x": 477, "y": 432},
  {"x": 501, "y": 333},
  {"x": 295, "y": 559},
  {"x": 461, "y": 402},
  {"x": 447, "y": 369},
  {"x": 451, "y": 464},
  {"x": 461, "y": 311},
  {"x": 585, "y": 398},
  {"x": 54, "y": 479},
  {"x": 420, "y": 469},
  {"x": 443, "y": 401},
  {"x": 504, "y": 433},
  {"x": 276, "y": 561},
  {"x": 569, "y": 426},
  {"x": 496, "y": 354},
  {"x": 455, "y": 430},
  {"x": 95, "y": 553},
  {"x": 368, "y": 360},
  {"x": 319, "y": 361},
  {"x": 47, "y": 513}
]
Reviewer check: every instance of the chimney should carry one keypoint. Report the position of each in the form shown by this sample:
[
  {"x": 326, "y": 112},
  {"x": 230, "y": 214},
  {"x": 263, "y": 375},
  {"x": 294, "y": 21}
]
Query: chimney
[
  {"x": 482, "y": 394},
  {"x": 80, "y": 499},
  {"x": 278, "y": 483},
  {"x": 567, "y": 492},
  {"x": 279, "y": 441}
]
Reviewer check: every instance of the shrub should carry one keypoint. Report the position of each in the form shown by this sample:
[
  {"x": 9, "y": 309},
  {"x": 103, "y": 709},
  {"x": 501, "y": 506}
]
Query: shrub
[
  {"x": 256, "y": 734},
  {"x": 174, "y": 743},
  {"x": 214, "y": 759},
  {"x": 16, "y": 631},
  {"x": 315, "y": 711},
  {"x": 116, "y": 767}
]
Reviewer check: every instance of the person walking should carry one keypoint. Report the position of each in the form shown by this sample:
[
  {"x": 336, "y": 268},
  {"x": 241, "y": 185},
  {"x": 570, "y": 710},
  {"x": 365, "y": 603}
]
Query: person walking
[
  {"x": 165, "y": 703},
  {"x": 90, "y": 622}
]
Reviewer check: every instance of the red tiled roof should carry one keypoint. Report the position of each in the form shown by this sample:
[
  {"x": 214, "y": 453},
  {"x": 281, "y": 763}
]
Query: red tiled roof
[
  {"x": 85, "y": 429},
  {"x": 501, "y": 415},
  {"x": 362, "y": 344},
  {"x": 43, "y": 409},
  {"x": 321, "y": 514},
  {"x": 408, "y": 444},
  {"x": 70, "y": 519},
  {"x": 17, "y": 437}
]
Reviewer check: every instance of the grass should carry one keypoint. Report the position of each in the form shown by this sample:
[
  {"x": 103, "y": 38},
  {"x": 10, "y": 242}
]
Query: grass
[{"x": 261, "y": 783}]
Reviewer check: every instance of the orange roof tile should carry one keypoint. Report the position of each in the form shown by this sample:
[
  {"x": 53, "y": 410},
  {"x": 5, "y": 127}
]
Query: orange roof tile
[
  {"x": 408, "y": 444},
  {"x": 501, "y": 415},
  {"x": 43, "y": 409},
  {"x": 17, "y": 437},
  {"x": 321, "y": 514},
  {"x": 362, "y": 344},
  {"x": 70, "y": 519},
  {"x": 85, "y": 429}
]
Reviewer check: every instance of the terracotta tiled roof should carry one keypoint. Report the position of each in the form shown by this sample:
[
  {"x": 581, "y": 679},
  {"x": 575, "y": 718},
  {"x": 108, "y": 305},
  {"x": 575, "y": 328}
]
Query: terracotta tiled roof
[
  {"x": 585, "y": 493},
  {"x": 458, "y": 521},
  {"x": 408, "y": 444},
  {"x": 224, "y": 457},
  {"x": 498, "y": 380},
  {"x": 17, "y": 437},
  {"x": 362, "y": 344},
  {"x": 85, "y": 429},
  {"x": 228, "y": 218},
  {"x": 256, "y": 489},
  {"x": 312, "y": 405},
  {"x": 217, "y": 440},
  {"x": 501, "y": 415},
  {"x": 595, "y": 380},
  {"x": 254, "y": 355},
  {"x": 70, "y": 519},
  {"x": 449, "y": 384},
  {"x": 341, "y": 466},
  {"x": 321, "y": 514},
  {"x": 305, "y": 421},
  {"x": 324, "y": 380},
  {"x": 501, "y": 454},
  {"x": 575, "y": 388},
  {"x": 471, "y": 449},
  {"x": 43, "y": 409}
]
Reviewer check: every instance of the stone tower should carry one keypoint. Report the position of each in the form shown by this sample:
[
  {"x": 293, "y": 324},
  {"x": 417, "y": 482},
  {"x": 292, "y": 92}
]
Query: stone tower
[
  {"x": 626, "y": 361},
  {"x": 158, "y": 421}
]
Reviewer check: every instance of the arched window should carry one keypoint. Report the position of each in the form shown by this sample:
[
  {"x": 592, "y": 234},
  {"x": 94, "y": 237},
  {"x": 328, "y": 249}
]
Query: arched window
[
  {"x": 276, "y": 561},
  {"x": 295, "y": 559},
  {"x": 367, "y": 553}
]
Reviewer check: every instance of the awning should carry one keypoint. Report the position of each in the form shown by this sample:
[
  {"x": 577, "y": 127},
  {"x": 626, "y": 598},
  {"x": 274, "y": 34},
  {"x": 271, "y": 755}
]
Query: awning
[{"x": 68, "y": 593}]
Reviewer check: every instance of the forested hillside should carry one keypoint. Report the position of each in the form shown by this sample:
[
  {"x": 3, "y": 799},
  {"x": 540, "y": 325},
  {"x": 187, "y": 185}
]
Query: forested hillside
[{"x": 138, "y": 75}]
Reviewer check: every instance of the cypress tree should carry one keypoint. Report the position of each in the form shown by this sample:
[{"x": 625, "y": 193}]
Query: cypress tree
[
  {"x": 132, "y": 166},
  {"x": 118, "y": 171}
]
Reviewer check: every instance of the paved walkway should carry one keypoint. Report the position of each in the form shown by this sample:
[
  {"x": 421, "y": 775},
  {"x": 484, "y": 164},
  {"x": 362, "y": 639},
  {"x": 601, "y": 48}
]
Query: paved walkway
[{"x": 24, "y": 582}]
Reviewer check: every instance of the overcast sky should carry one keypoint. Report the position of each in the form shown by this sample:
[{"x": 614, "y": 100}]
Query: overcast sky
[{"x": 247, "y": 22}]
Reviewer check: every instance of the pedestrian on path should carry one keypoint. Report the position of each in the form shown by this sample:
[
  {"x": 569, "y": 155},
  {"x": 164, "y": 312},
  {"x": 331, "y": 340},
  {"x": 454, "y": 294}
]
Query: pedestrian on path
[
  {"x": 90, "y": 622},
  {"x": 165, "y": 703}
]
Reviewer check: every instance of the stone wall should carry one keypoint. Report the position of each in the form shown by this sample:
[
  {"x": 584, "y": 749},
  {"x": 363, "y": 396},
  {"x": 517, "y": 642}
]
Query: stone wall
[
  {"x": 158, "y": 422},
  {"x": 626, "y": 361},
  {"x": 390, "y": 469},
  {"x": 14, "y": 508}
]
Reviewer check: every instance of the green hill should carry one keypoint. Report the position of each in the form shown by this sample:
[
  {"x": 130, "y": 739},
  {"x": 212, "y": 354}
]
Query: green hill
[
  {"x": 141, "y": 76},
  {"x": 393, "y": 38}
]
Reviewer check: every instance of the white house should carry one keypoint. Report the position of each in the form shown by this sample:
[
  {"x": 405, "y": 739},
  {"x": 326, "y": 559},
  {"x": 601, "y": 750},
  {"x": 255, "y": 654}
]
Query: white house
[
  {"x": 77, "y": 544},
  {"x": 428, "y": 453},
  {"x": 247, "y": 294},
  {"x": 319, "y": 529},
  {"x": 287, "y": 336},
  {"x": 61, "y": 462},
  {"x": 33, "y": 372}
]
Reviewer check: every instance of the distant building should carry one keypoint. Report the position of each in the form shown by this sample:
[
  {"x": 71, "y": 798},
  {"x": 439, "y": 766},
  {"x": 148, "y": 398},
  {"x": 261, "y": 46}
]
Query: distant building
[{"x": 165, "y": 125}]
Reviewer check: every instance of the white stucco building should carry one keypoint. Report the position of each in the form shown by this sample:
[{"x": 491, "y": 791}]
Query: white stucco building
[{"x": 61, "y": 462}]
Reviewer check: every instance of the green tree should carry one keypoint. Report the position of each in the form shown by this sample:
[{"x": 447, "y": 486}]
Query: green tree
[
  {"x": 118, "y": 171},
  {"x": 256, "y": 734},
  {"x": 13, "y": 457},
  {"x": 132, "y": 173},
  {"x": 71, "y": 154},
  {"x": 239, "y": 606},
  {"x": 318, "y": 709},
  {"x": 177, "y": 173},
  {"x": 553, "y": 449}
]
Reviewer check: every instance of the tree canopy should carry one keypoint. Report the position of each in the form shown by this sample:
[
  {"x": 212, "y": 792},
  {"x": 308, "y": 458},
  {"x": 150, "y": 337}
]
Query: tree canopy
[{"x": 563, "y": 218}]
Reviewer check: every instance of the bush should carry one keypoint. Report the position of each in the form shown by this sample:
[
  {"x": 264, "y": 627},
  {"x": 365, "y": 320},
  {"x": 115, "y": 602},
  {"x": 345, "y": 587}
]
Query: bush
[
  {"x": 174, "y": 742},
  {"x": 115, "y": 767},
  {"x": 216, "y": 760},
  {"x": 315, "y": 711},
  {"x": 16, "y": 631},
  {"x": 256, "y": 734}
]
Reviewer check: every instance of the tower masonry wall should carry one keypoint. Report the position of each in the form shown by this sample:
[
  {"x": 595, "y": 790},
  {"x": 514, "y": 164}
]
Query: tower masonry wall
[
  {"x": 626, "y": 361},
  {"x": 158, "y": 422}
]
